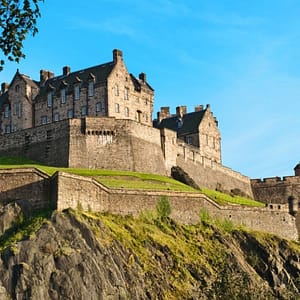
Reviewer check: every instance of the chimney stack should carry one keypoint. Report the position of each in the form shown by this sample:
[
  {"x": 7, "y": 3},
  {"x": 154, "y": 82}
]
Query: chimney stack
[
  {"x": 66, "y": 70},
  {"x": 117, "y": 55},
  {"x": 164, "y": 113},
  {"x": 142, "y": 76},
  {"x": 180, "y": 111},
  {"x": 4, "y": 87},
  {"x": 198, "y": 108},
  {"x": 45, "y": 75}
]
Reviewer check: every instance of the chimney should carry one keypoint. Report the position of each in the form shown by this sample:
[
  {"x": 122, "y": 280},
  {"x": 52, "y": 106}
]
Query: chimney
[
  {"x": 180, "y": 111},
  {"x": 4, "y": 87},
  {"x": 45, "y": 75},
  {"x": 117, "y": 55},
  {"x": 142, "y": 76},
  {"x": 66, "y": 70},
  {"x": 297, "y": 169},
  {"x": 164, "y": 113},
  {"x": 198, "y": 108}
]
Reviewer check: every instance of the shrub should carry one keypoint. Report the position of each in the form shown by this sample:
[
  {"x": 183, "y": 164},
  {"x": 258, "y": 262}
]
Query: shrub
[{"x": 163, "y": 208}]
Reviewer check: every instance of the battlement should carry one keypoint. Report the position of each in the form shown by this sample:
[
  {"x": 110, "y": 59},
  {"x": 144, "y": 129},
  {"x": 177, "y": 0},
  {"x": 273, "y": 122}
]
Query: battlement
[{"x": 276, "y": 180}]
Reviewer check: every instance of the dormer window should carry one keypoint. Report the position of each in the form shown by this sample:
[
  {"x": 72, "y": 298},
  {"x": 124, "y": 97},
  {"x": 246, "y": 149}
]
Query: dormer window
[
  {"x": 91, "y": 89},
  {"x": 63, "y": 96},
  {"x": 77, "y": 92},
  {"x": 50, "y": 99}
]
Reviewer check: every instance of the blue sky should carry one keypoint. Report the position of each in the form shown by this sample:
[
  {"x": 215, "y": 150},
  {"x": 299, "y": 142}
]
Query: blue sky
[{"x": 240, "y": 56}]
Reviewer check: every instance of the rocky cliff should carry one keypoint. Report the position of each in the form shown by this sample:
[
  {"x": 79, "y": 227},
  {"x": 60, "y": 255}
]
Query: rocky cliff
[{"x": 83, "y": 255}]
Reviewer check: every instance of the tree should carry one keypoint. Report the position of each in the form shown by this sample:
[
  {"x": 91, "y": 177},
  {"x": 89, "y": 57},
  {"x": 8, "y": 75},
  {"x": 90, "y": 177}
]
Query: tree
[{"x": 18, "y": 18}]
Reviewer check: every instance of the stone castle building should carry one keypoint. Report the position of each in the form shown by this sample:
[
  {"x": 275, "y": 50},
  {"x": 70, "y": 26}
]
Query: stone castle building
[
  {"x": 106, "y": 90},
  {"x": 101, "y": 117}
]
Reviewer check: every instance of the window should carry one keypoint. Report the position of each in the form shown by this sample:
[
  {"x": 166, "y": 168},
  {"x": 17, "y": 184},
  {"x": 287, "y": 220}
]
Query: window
[
  {"x": 126, "y": 112},
  {"x": 70, "y": 113},
  {"x": 7, "y": 129},
  {"x": 83, "y": 111},
  {"x": 77, "y": 92},
  {"x": 17, "y": 109},
  {"x": 6, "y": 111},
  {"x": 126, "y": 93},
  {"x": 44, "y": 120},
  {"x": 63, "y": 96},
  {"x": 50, "y": 99},
  {"x": 91, "y": 89},
  {"x": 117, "y": 108},
  {"x": 17, "y": 88},
  {"x": 189, "y": 140},
  {"x": 98, "y": 106},
  {"x": 56, "y": 117},
  {"x": 116, "y": 90}
]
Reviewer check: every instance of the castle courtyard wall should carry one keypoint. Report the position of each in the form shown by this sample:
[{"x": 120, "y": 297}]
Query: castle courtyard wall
[{"x": 74, "y": 191}]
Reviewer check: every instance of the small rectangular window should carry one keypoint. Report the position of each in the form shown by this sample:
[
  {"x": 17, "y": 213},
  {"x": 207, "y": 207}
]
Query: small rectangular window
[
  {"x": 63, "y": 96},
  {"x": 77, "y": 92},
  {"x": 98, "y": 107},
  {"x": 126, "y": 112},
  {"x": 56, "y": 117},
  {"x": 126, "y": 93},
  {"x": 117, "y": 108},
  {"x": 70, "y": 113},
  {"x": 116, "y": 90},
  {"x": 7, "y": 129},
  {"x": 91, "y": 89},
  {"x": 50, "y": 99},
  {"x": 83, "y": 111},
  {"x": 44, "y": 120},
  {"x": 6, "y": 111}
]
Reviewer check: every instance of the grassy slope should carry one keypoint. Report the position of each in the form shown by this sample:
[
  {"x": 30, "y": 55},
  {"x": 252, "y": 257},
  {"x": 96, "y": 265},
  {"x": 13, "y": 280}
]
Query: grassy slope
[{"x": 130, "y": 180}]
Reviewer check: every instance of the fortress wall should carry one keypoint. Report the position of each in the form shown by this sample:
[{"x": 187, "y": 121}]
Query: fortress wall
[
  {"x": 115, "y": 144},
  {"x": 48, "y": 144},
  {"x": 29, "y": 185},
  {"x": 275, "y": 189},
  {"x": 186, "y": 207},
  {"x": 207, "y": 173}
]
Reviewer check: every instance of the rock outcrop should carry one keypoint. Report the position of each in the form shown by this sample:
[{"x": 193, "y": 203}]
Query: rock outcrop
[{"x": 81, "y": 255}]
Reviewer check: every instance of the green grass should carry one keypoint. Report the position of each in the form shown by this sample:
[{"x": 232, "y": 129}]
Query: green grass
[
  {"x": 225, "y": 199},
  {"x": 110, "y": 178}
]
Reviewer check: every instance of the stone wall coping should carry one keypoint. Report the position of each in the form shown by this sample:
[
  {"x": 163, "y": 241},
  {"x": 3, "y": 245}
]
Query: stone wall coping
[{"x": 24, "y": 170}]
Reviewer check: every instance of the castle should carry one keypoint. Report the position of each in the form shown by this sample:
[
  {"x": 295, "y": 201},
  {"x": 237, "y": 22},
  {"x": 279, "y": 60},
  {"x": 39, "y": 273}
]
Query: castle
[{"x": 101, "y": 117}]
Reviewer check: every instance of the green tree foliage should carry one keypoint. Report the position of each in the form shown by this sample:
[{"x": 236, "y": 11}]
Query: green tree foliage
[{"x": 17, "y": 19}]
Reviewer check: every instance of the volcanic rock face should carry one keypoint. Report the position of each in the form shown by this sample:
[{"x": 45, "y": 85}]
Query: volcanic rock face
[{"x": 76, "y": 255}]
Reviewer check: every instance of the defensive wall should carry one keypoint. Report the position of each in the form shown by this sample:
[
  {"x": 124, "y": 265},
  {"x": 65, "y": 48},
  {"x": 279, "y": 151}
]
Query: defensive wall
[
  {"x": 277, "y": 190},
  {"x": 65, "y": 190},
  {"x": 109, "y": 143}
]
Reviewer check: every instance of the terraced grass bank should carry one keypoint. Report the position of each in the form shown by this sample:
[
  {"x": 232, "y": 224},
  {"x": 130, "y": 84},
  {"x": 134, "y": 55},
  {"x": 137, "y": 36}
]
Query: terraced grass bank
[{"x": 129, "y": 193}]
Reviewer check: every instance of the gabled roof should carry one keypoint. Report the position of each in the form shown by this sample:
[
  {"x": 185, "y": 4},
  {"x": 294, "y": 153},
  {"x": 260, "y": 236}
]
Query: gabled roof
[
  {"x": 189, "y": 123},
  {"x": 98, "y": 73},
  {"x": 26, "y": 79}
]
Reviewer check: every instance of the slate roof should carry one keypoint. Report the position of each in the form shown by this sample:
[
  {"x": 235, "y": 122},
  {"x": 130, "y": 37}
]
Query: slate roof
[
  {"x": 99, "y": 73},
  {"x": 188, "y": 124}
]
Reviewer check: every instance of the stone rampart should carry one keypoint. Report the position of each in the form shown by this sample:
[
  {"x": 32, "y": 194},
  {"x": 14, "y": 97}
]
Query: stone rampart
[
  {"x": 47, "y": 144},
  {"x": 29, "y": 185},
  {"x": 74, "y": 190},
  {"x": 210, "y": 174}
]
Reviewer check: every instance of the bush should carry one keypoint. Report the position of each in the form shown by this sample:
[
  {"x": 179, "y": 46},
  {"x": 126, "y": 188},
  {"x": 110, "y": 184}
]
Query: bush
[{"x": 163, "y": 208}]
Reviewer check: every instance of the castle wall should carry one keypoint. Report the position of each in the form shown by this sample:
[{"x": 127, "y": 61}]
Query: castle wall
[
  {"x": 29, "y": 185},
  {"x": 115, "y": 144},
  {"x": 48, "y": 144},
  {"x": 276, "y": 189},
  {"x": 210, "y": 174},
  {"x": 75, "y": 191}
]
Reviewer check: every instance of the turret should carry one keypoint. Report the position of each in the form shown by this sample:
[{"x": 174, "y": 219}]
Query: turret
[{"x": 293, "y": 205}]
